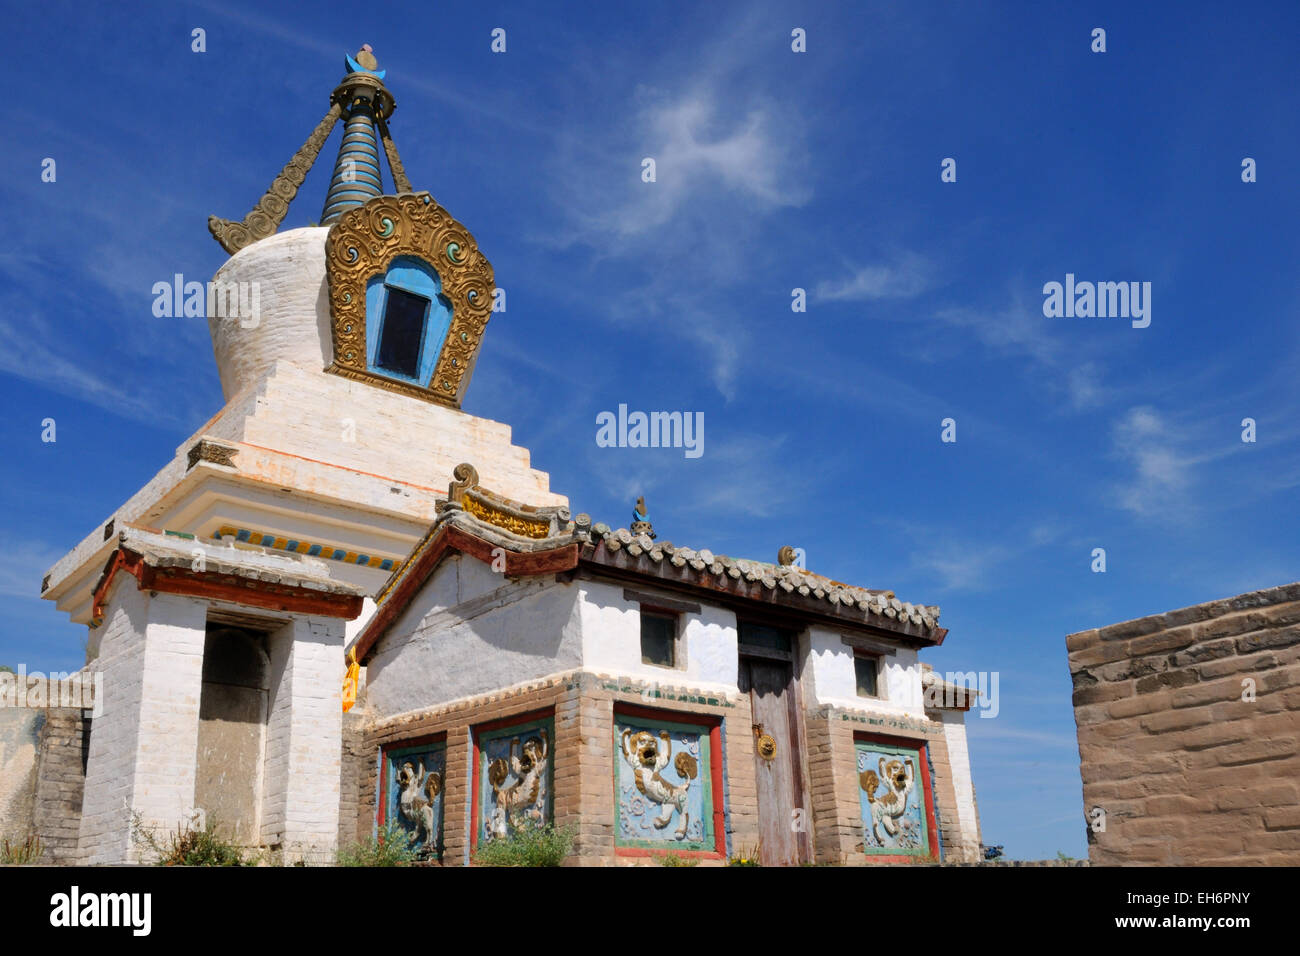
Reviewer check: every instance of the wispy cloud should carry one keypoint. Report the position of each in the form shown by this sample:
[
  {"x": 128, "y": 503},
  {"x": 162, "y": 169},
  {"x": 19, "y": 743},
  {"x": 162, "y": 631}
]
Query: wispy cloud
[
  {"x": 965, "y": 565},
  {"x": 1162, "y": 474},
  {"x": 906, "y": 277}
]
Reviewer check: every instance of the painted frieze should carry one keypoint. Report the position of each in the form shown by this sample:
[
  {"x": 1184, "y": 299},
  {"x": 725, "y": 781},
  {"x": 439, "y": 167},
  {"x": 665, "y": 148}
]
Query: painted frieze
[
  {"x": 514, "y": 778},
  {"x": 663, "y": 784},
  {"x": 892, "y": 799}
]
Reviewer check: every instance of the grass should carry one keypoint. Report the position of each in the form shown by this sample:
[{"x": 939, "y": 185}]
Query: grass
[
  {"x": 20, "y": 854},
  {"x": 752, "y": 857},
  {"x": 391, "y": 846},
  {"x": 189, "y": 846},
  {"x": 528, "y": 846},
  {"x": 668, "y": 858}
]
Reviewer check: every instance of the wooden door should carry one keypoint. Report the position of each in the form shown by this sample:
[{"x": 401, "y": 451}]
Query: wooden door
[{"x": 778, "y": 768}]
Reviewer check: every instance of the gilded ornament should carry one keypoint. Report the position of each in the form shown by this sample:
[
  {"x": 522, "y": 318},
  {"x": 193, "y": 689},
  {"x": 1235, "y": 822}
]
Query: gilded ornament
[
  {"x": 363, "y": 243},
  {"x": 523, "y": 527}
]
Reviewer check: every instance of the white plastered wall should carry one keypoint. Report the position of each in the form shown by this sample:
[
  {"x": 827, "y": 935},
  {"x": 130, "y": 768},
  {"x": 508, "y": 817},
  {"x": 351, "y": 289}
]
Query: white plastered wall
[
  {"x": 144, "y": 743},
  {"x": 954, "y": 733},
  {"x": 611, "y": 641},
  {"x": 829, "y": 674},
  {"x": 300, "y": 798},
  {"x": 470, "y": 631}
]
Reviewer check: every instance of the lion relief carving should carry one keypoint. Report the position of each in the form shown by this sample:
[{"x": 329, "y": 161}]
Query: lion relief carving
[
  {"x": 519, "y": 785},
  {"x": 887, "y": 808},
  {"x": 648, "y": 756}
]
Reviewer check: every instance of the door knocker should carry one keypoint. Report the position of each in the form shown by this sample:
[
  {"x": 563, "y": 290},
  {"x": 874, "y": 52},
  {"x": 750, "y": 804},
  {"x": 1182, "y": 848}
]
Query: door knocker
[{"x": 766, "y": 743}]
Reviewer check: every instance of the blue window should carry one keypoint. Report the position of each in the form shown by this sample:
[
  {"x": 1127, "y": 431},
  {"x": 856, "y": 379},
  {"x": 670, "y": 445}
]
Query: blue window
[{"x": 407, "y": 318}]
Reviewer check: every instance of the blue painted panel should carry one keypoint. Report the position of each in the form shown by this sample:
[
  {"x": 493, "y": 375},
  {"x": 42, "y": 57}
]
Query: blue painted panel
[
  {"x": 891, "y": 799},
  {"x": 416, "y": 277},
  {"x": 413, "y": 788},
  {"x": 663, "y": 785},
  {"x": 515, "y": 775}
]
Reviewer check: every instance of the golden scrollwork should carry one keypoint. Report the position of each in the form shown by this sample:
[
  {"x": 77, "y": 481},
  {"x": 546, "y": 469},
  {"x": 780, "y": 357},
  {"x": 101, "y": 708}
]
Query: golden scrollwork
[
  {"x": 464, "y": 477},
  {"x": 524, "y": 527},
  {"x": 394, "y": 161},
  {"x": 270, "y": 210},
  {"x": 364, "y": 242}
]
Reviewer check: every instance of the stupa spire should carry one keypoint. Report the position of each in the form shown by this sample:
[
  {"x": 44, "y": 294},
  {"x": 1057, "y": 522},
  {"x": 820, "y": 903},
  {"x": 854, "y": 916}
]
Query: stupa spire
[
  {"x": 356, "y": 170},
  {"x": 364, "y": 104}
]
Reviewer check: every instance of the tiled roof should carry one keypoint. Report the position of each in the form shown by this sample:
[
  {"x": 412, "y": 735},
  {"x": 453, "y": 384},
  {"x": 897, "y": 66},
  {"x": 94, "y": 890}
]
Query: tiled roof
[
  {"x": 547, "y": 540},
  {"x": 788, "y": 578}
]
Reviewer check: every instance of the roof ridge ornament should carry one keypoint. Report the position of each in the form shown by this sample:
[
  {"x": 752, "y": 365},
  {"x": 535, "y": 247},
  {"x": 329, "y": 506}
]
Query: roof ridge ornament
[
  {"x": 641, "y": 520},
  {"x": 365, "y": 105}
]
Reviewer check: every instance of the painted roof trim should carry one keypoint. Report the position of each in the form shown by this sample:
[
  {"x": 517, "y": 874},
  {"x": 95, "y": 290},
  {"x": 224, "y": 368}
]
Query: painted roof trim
[{"x": 165, "y": 563}]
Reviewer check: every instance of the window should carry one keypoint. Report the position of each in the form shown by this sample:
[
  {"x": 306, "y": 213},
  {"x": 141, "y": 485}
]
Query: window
[
  {"x": 658, "y": 639},
  {"x": 402, "y": 332},
  {"x": 766, "y": 637},
  {"x": 407, "y": 319},
  {"x": 866, "y": 669}
]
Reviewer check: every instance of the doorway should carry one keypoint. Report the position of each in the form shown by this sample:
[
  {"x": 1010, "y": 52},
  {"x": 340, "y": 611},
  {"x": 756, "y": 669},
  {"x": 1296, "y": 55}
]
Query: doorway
[{"x": 767, "y": 675}]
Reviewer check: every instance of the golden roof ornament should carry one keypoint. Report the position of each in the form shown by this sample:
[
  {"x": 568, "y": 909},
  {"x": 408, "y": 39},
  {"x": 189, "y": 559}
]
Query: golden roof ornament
[{"x": 364, "y": 104}]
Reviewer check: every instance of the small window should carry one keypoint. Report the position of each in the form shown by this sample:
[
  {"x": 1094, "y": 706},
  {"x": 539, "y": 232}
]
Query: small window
[
  {"x": 766, "y": 636},
  {"x": 866, "y": 668},
  {"x": 658, "y": 639},
  {"x": 401, "y": 334}
]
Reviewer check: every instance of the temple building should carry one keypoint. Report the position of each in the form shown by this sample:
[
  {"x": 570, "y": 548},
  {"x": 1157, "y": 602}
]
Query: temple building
[{"x": 519, "y": 663}]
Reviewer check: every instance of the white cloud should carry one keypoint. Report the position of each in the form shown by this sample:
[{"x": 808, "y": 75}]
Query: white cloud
[
  {"x": 1161, "y": 473},
  {"x": 904, "y": 278},
  {"x": 704, "y": 159}
]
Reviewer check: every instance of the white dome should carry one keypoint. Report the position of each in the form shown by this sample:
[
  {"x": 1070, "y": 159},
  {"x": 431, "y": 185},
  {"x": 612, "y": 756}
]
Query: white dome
[{"x": 286, "y": 276}]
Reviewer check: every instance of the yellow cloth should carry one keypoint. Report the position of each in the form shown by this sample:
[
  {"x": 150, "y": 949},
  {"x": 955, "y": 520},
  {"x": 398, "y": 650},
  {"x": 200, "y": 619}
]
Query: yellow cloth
[{"x": 350, "y": 682}]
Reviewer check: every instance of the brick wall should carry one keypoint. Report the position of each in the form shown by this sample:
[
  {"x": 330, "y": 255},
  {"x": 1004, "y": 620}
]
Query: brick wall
[
  {"x": 584, "y": 756},
  {"x": 1188, "y": 725},
  {"x": 303, "y": 762},
  {"x": 352, "y": 771},
  {"x": 837, "y": 811},
  {"x": 110, "y": 781}
]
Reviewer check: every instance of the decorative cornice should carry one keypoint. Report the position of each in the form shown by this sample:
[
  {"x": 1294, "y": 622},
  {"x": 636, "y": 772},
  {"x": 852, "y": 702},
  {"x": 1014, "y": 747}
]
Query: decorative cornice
[
  {"x": 299, "y": 546},
  {"x": 210, "y": 451}
]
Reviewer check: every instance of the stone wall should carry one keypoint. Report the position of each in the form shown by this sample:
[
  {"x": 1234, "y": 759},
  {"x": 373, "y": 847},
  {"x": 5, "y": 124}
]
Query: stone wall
[
  {"x": 60, "y": 784},
  {"x": 1189, "y": 733},
  {"x": 354, "y": 822},
  {"x": 42, "y": 778},
  {"x": 20, "y": 742}
]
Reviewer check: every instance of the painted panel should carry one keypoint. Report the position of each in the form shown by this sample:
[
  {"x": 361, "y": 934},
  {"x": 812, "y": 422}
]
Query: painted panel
[
  {"x": 892, "y": 800},
  {"x": 663, "y": 784},
  {"x": 413, "y": 793},
  {"x": 514, "y": 778}
]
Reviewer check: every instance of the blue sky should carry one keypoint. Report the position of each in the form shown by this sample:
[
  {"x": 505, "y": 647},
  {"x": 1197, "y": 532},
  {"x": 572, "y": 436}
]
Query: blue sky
[{"x": 775, "y": 171}]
